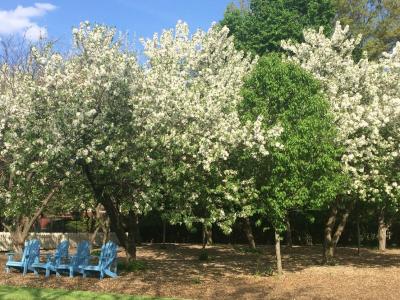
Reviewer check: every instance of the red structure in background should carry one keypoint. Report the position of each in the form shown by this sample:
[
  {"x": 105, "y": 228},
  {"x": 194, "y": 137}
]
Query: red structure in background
[{"x": 43, "y": 222}]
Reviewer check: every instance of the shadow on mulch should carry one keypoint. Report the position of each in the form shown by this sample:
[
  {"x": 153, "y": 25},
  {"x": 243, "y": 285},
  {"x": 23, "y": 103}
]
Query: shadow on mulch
[{"x": 230, "y": 273}]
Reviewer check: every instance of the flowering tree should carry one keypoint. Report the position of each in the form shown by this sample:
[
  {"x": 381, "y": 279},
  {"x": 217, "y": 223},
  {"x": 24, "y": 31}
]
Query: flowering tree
[
  {"x": 31, "y": 157},
  {"x": 145, "y": 136},
  {"x": 364, "y": 100}
]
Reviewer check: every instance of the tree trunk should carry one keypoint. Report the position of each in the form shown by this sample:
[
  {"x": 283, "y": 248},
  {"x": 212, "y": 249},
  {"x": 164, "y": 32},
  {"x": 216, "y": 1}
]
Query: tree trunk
[
  {"x": 123, "y": 226},
  {"x": 382, "y": 230},
  {"x": 130, "y": 241},
  {"x": 164, "y": 230},
  {"x": 278, "y": 253},
  {"x": 20, "y": 231},
  {"x": 328, "y": 247},
  {"x": 358, "y": 235},
  {"x": 138, "y": 236},
  {"x": 106, "y": 230},
  {"x": 94, "y": 235},
  {"x": 249, "y": 233},
  {"x": 289, "y": 240},
  {"x": 330, "y": 241},
  {"x": 207, "y": 235},
  {"x": 340, "y": 227},
  {"x": 19, "y": 235}
]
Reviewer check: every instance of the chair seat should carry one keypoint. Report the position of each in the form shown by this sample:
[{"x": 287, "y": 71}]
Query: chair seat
[
  {"x": 90, "y": 268},
  {"x": 63, "y": 266},
  {"x": 41, "y": 265}
]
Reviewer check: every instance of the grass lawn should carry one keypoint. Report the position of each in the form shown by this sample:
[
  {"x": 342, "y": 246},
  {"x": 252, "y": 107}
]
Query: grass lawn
[{"x": 24, "y": 293}]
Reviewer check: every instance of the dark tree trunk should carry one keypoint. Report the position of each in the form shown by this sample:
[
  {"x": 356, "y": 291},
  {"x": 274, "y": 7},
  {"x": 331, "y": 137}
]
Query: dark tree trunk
[
  {"x": 164, "y": 230},
  {"x": 130, "y": 240},
  {"x": 125, "y": 227},
  {"x": 138, "y": 236},
  {"x": 249, "y": 233},
  {"x": 358, "y": 234},
  {"x": 279, "y": 268}
]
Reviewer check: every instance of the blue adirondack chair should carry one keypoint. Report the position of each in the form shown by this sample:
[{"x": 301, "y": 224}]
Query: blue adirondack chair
[
  {"x": 29, "y": 256},
  {"x": 53, "y": 261},
  {"x": 107, "y": 264},
  {"x": 81, "y": 257}
]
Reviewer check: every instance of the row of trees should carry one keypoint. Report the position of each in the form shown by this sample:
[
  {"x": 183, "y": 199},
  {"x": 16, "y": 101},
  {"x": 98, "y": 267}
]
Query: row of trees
[
  {"x": 359, "y": 81},
  {"x": 204, "y": 131}
]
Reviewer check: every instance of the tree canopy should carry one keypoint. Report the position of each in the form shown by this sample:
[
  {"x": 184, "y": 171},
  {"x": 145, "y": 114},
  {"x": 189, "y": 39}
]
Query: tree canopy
[
  {"x": 378, "y": 21},
  {"x": 260, "y": 26}
]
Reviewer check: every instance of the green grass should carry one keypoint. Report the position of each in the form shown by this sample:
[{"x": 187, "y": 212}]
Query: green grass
[{"x": 24, "y": 293}]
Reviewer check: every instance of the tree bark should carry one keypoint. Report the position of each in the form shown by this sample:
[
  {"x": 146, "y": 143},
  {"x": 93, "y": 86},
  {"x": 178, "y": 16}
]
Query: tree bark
[
  {"x": 138, "y": 236},
  {"x": 332, "y": 236},
  {"x": 106, "y": 230},
  {"x": 164, "y": 230},
  {"x": 249, "y": 233},
  {"x": 17, "y": 233},
  {"x": 20, "y": 231},
  {"x": 132, "y": 234},
  {"x": 102, "y": 222},
  {"x": 330, "y": 223},
  {"x": 278, "y": 254},
  {"x": 358, "y": 234},
  {"x": 123, "y": 226},
  {"x": 289, "y": 240},
  {"x": 340, "y": 227},
  {"x": 207, "y": 235},
  {"x": 382, "y": 230}
]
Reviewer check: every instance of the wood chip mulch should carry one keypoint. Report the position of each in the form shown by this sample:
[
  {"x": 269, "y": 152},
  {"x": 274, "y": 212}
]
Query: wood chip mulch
[{"x": 233, "y": 273}]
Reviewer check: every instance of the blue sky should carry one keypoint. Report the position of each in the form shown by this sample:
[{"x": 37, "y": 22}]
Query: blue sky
[{"x": 140, "y": 18}]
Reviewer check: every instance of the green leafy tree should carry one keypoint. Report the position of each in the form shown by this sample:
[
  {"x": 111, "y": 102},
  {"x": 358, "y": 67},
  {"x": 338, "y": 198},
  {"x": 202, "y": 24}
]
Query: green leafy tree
[
  {"x": 305, "y": 173},
  {"x": 377, "y": 20},
  {"x": 260, "y": 26}
]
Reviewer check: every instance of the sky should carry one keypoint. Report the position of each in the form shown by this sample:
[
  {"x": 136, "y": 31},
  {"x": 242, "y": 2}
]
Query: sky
[{"x": 140, "y": 18}]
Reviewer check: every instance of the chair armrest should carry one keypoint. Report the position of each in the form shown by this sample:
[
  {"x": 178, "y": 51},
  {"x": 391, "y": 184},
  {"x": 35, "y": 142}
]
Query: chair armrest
[{"x": 10, "y": 255}]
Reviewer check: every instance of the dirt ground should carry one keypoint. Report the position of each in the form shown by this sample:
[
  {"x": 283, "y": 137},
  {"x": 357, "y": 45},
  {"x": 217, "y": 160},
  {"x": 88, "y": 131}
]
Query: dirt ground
[{"x": 234, "y": 273}]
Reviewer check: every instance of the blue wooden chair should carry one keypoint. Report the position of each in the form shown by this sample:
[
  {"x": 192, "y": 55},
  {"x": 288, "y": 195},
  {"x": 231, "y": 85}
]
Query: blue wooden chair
[
  {"x": 29, "y": 256},
  {"x": 81, "y": 257},
  {"x": 52, "y": 261},
  {"x": 107, "y": 264}
]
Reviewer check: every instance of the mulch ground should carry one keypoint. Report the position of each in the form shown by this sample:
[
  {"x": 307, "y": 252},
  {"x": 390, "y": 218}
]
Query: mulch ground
[{"x": 233, "y": 273}]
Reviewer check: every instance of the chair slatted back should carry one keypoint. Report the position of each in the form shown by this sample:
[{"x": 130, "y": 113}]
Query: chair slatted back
[
  {"x": 82, "y": 253},
  {"x": 108, "y": 255},
  {"x": 61, "y": 252},
  {"x": 33, "y": 252}
]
